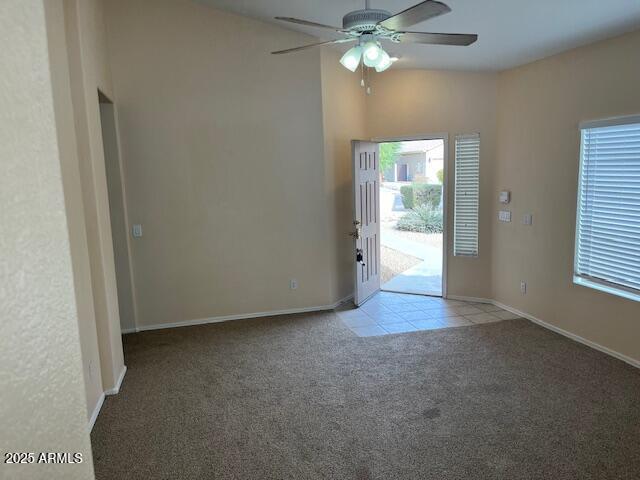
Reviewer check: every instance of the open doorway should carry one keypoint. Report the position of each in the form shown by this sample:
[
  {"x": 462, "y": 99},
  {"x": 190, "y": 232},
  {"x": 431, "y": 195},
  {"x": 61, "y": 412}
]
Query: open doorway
[
  {"x": 412, "y": 216},
  {"x": 119, "y": 230}
]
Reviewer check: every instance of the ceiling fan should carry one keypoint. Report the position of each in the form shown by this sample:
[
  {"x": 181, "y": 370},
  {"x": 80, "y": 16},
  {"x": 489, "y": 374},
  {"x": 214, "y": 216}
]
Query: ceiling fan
[{"x": 369, "y": 26}]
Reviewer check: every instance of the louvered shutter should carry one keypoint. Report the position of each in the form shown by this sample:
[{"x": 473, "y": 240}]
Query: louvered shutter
[
  {"x": 467, "y": 194},
  {"x": 608, "y": 220}
]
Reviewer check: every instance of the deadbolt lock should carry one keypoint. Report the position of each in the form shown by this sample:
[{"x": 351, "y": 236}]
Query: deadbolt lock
[{"x": 358, "y": 231}]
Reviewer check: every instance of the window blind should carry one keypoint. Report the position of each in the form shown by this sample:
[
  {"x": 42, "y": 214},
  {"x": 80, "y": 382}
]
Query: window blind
[
  {"x": 467, "y": 193},
  {"x": 608, "y": 218}
]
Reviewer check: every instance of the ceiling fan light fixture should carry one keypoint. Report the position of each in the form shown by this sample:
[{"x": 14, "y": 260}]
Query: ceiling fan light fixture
[
  {"x": 351, "y": 59},
  {"x": 384, "y": 63},
  {"x": 369, "y": 26},
  {"x": 372, "y": 54}
]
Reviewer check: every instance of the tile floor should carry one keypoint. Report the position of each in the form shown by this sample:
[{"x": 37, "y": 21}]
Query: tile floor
[{"x": 388, "y": 313}]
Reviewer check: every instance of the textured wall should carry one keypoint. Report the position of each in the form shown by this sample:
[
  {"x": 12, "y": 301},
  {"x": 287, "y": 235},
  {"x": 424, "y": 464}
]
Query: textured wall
[
  {"x": 43, "y": 405},
  {"x": 70, "y": 168}
]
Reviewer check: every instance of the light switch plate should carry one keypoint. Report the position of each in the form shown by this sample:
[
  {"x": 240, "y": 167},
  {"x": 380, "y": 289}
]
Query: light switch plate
[
  {"x": 504, "y": 215},
  {"x": 527, "y": 219},
  {"x": 505, "y": 196}
]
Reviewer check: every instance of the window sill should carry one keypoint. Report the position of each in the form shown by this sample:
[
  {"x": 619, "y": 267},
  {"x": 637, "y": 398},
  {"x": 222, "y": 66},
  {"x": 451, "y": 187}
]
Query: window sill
[{"x": 617, "y": 291}]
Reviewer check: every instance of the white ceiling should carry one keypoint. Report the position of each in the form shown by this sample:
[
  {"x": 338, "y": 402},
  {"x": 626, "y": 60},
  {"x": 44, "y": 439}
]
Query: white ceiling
[{"x": 511, "y": 32}]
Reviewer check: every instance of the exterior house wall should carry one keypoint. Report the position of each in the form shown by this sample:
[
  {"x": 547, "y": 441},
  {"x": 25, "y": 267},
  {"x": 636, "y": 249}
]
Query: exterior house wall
[
  {"x": 434, "y": 165},
  {"x": 416, "y": 164}
]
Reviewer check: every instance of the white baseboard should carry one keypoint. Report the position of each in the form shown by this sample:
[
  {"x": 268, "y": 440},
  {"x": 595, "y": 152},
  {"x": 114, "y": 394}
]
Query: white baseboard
[
  {"x": 241, "y": 316},
  {"x": 631, "y": 361},
  {"x": 112, "y": 391},
  {"x": 96, "y": 411},
  {"x": 469, "y": 299},
  {"x": 226, "y": 318},
  {"x": 116, "y": 389},
  {"x": 346, "y": 299}
]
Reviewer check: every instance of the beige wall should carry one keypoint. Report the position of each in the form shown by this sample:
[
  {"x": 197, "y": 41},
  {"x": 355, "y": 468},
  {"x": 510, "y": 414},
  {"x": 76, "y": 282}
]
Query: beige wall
[
  {"x": 343, "y": 106},
  {"x": 540, "y": 107},
  {"x": 43, "y": 405},
  {"x": 407, "y": 103},
  {"x": 89, "y": 71},
  {"x": 238, "y": 166},
  {"x": 67, "y": 142},
  {"x": 223, "y": 158},
  {"x": 220, "y": 148},
  {"x": 224, "y": 145}
]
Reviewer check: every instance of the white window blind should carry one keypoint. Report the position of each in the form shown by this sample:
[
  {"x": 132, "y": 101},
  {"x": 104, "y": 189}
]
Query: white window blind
[
  {"x": 608, "y": 220},
  {"x": 467, "y": 193}
]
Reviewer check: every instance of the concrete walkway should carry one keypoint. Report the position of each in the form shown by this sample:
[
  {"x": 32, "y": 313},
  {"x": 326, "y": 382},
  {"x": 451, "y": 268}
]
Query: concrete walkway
[
  {"x": 424, "y": 278},
  {"x": 416, "y": 280}
]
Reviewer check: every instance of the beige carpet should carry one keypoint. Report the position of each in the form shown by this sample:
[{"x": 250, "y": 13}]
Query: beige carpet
[{"x": 301, "y": 397}]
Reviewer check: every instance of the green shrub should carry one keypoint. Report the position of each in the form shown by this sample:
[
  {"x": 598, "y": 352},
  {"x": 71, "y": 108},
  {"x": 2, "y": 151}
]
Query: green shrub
[
  {"x": 423, "y": 218},
  {"x": 407, "y": 196},
  {"x": 426, "y": 194},
  {"x": 421, "y": 194},
  {"x": 440, "y": 175}
]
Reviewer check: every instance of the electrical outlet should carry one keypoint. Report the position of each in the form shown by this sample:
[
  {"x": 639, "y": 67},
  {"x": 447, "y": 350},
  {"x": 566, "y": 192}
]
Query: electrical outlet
[
  {"x": 137, "y": 230},
  {"x": 523, "y": 287},
  {"x": 293, "y": 284},
  {"x": 527, "y": 219}
]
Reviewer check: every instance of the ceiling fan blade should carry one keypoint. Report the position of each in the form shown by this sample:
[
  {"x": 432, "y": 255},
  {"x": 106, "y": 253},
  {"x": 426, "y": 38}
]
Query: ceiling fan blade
[
  {"x": 308, "y": 23},
  {"x": 416, "y": 14},
  {"x": 462, "y": 39},
  {"x": 304, "y": 47}
]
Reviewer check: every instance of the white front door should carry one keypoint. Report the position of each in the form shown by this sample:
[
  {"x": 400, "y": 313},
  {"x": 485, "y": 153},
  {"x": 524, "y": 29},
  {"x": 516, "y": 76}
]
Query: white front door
[{"x": 366, "y": 189}]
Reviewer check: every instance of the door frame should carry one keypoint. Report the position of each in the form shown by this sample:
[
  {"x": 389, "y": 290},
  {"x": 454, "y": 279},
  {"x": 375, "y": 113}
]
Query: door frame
[
  {"x": 105, "y": 101},
  {"x": 445, "y": 193}
]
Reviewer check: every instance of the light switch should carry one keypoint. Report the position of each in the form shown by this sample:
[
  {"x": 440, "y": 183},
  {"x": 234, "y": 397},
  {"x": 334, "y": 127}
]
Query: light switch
[
  {"x": 505, "y": 196},
  {"x": 504, "y": 215},
  {"x": 527, "y": 219},
  {"x": 137, "y": 230}
]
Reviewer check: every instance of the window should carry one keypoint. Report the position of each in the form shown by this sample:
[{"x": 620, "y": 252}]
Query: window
[
  {"x": 607, "y": 253},
  {"x": 467, "y": 192}
]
